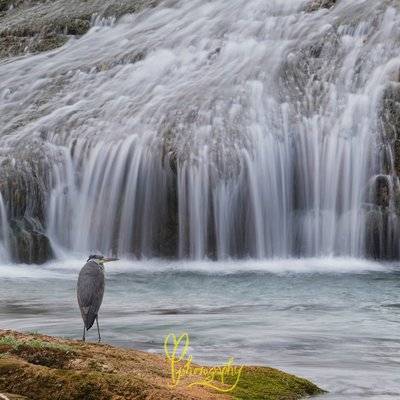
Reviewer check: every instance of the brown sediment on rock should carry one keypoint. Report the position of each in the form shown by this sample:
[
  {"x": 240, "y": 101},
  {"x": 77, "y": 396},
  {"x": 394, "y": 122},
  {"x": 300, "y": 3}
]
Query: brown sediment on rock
[{"x": 38, "y": 367}]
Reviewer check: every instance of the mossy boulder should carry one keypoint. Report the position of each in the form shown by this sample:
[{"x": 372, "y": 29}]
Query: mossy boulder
[
  {"x": 40, "y": 366},
  {"x": 278, "y": 386}
]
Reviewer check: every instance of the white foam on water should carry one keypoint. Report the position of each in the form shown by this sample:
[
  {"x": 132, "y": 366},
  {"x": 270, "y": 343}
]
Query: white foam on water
[{"x": 69, "y": 268}]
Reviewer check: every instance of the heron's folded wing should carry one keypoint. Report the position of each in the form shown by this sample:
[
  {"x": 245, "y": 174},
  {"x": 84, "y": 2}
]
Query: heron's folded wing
[{"x": 90, "y": 291}]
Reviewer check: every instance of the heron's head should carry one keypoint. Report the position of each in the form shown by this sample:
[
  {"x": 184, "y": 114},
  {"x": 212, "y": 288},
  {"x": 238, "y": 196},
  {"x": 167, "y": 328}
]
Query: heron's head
[{"x": 101, "y": 260}]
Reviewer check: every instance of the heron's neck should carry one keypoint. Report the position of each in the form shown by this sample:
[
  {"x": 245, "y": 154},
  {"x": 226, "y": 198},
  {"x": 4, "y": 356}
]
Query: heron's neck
[{"x": 100, "y": 265}]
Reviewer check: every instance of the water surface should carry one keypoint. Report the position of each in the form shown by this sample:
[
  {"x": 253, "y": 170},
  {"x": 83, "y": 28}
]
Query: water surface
[{"x": 335, "y": 322}]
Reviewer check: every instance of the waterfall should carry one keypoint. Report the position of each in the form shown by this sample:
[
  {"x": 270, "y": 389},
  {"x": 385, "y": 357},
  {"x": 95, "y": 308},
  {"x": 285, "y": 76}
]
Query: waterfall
[
  {"x": 5, "y": 255},
  {"x": 218, "y": 129}
]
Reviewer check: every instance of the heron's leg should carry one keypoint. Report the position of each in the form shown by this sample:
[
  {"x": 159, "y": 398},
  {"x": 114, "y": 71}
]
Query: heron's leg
[
  {"x": 83, "y": 338},
  {"x": 98, "y": 329}
]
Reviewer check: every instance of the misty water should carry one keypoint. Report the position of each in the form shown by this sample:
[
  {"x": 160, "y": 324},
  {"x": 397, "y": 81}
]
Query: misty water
[{"x": 335, "y": 322}]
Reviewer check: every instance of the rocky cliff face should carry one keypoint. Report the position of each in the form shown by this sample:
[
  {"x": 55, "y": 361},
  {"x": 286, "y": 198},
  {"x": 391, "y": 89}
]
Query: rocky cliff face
[{"x": 384, "y": 215}]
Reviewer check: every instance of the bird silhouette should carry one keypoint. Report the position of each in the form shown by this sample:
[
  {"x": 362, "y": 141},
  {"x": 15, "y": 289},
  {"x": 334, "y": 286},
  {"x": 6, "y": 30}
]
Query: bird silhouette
[{"x": 90, "y": 291}]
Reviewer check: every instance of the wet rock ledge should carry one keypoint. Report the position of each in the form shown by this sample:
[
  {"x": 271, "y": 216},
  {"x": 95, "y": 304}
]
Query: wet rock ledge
[
  {"x": 41, "y": 367},
  {"x": 32, "y": 26},
  {"x": 315, "y": 5}
]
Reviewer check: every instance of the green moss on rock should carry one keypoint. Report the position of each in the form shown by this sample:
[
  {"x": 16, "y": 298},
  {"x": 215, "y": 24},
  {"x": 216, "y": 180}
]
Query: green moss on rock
[
  {"x": 267, "y": 383},
  {"x": 37, "y": 352}
]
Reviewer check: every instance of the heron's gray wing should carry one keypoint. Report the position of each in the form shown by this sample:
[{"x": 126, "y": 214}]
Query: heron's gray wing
[{"x": 90, "y": 291}]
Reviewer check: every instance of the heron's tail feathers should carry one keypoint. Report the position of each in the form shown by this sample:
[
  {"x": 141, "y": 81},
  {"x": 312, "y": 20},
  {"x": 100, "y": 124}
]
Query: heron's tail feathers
[
  {"x": 89, "y": 321},
  {"x": 88, "y": 318}
]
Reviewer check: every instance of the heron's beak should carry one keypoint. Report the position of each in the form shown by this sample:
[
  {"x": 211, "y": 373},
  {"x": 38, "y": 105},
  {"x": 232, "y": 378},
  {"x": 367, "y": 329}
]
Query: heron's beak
[{"x": 108, "y": 259}]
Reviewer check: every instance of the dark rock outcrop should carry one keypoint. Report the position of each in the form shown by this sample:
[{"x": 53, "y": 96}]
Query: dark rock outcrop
[
  {"x": 28, "y": 242},
  {"x": 318, "y": 4},
  {"x": 379, "y": 223},
  {"x": 24, "y": 186},
  {"x": 5, "y": 5},
  {"x": 382, "y": 191},
  {"x": 383, "y": 219}
]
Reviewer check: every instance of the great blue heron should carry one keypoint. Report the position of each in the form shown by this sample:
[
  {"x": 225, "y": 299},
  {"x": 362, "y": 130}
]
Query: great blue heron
[{"x": 90, "y": 290}]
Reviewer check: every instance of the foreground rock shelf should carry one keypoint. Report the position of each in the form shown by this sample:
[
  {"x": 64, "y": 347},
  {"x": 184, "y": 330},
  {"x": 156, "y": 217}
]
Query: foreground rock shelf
[{"x": 43, "y": 367}]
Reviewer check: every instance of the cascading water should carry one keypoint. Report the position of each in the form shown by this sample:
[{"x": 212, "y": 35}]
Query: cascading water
[
  {"x": 4, "y": 233},
  {"x": 212, "y": 129}
]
